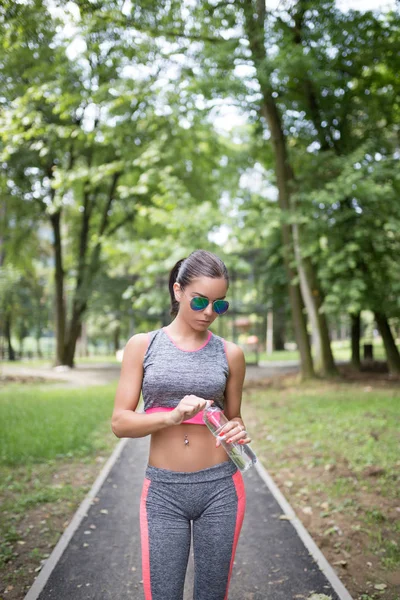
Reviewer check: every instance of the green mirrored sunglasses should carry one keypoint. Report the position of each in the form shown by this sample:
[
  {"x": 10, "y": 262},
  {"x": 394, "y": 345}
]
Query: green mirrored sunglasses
[{"x": 198, "y": 303}]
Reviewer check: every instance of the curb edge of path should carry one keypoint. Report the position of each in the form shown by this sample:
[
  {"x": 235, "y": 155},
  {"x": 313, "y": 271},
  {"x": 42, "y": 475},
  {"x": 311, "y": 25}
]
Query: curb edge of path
[
  {"x": 81, "y": 512},
  {"x": 66, "y": 537},
  {"x": 304, "y": 535}
]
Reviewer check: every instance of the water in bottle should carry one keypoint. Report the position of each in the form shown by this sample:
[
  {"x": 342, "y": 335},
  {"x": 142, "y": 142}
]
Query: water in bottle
[{"x": 241, "y": 454}]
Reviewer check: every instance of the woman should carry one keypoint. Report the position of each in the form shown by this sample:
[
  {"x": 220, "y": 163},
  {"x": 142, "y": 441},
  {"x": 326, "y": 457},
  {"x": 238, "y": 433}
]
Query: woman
[{"x": 190, "y": 480}]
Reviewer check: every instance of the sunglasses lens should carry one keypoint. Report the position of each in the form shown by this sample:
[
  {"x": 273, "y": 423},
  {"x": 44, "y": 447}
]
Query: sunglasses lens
[
  {"x": 221, "y": 306},
  {"x": 198, "y": 303}
]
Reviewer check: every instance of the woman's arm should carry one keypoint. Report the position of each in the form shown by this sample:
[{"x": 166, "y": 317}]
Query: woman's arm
[
  {"x": 125, "y": 422},
  {"x": 233, "y": 394}
]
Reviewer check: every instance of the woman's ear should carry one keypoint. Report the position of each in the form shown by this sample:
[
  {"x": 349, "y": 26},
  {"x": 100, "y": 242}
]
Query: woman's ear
[{"x": 177, "y": 291}]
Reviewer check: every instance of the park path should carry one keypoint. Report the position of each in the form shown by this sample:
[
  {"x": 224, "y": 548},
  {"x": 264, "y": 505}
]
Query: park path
[
  {"x": 105, "y": 372},
  {"x": 98, "y": 556}
]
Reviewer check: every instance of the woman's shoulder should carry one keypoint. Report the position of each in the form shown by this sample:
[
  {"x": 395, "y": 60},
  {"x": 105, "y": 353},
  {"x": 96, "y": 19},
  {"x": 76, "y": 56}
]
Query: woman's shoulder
[
  {"x": 140, "y": 341},
  {"x": 233, "y": 351}
]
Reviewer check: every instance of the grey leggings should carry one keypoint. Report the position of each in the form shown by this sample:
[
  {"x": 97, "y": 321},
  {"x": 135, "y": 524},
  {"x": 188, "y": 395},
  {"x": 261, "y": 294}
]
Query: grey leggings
[{"x": 213, "y": 500}]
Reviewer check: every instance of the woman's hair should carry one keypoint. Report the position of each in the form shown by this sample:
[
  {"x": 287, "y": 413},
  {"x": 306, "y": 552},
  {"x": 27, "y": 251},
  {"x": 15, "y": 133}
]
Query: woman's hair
[{"x": 199, "y": 263}]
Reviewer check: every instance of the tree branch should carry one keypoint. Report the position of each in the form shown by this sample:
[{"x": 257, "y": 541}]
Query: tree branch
[
  {"x": 105, "y": 216},
  {"x": 126, "y": 219}
]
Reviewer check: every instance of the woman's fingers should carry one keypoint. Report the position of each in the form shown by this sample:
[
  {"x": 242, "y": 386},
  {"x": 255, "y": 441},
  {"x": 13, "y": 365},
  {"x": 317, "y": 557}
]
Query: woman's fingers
[
  {"x": 190, "y": 405},
  {"x": 233, "y": 432}
]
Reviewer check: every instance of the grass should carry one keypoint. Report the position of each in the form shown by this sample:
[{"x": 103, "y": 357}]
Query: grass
[
  {"x": 316, "y": 427},
  {"x": 52, "y": 445},
  {"x": 42, "y": 424},
  {"x": 300, "y": 427},
  {"x": 335, "y": 420},
  {"x": 341, "y": 351}
]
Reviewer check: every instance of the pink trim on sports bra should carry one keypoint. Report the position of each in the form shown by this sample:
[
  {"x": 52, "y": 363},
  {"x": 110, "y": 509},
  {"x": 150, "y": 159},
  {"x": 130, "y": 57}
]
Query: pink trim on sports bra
[
  {"x": 183, "y": 349},
  {"x": 196, "y": 420}
]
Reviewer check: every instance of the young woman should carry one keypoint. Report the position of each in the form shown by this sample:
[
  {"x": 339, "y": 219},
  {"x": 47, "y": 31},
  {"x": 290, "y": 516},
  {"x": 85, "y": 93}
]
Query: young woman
[{"x": 190, "y": 482}]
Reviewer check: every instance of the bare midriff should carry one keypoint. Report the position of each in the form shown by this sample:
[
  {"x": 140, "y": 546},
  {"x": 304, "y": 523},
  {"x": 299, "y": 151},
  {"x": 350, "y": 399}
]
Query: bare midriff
[{"x": 169, "y": 451}]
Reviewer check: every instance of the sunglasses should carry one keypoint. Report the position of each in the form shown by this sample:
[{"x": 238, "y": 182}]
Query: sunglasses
[{"x": 200, "y": 303}]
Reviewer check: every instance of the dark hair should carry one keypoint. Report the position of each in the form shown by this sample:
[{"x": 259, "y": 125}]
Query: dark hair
[{"x": 199, "y": 263}]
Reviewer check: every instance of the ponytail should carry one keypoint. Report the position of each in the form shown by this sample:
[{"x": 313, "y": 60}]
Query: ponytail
[{"x": 173, "y": 276}]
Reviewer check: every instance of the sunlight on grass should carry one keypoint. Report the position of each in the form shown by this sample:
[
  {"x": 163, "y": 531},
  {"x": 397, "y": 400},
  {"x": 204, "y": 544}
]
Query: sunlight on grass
[
  {"x": 344, "y": 422},
  {"x": 40, "y": 424},
  {"x": 314, "y": 428}
]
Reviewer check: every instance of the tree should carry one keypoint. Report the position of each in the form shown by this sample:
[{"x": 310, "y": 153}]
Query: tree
[{"x": 91, "y": 148}]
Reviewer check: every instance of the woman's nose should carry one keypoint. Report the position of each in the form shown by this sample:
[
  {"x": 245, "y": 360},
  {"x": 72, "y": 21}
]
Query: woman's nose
[{"x": 209, "y": 310}]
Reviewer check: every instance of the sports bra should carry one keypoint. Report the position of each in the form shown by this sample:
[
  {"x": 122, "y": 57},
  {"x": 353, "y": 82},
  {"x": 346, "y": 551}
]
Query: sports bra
[{"x": 170, "y": 373}]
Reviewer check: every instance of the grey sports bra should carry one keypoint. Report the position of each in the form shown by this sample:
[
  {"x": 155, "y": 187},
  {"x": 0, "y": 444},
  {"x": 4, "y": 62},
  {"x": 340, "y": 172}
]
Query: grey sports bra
[{"x": 171, "y": 372}]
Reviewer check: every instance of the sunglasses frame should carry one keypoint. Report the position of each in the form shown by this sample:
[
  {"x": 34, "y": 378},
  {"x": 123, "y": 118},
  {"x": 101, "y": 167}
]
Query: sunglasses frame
[{"x": 208, "y": 302}]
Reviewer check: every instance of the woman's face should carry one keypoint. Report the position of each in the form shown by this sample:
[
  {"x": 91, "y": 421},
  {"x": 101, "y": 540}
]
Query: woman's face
[{"x": 212, "y": 289}]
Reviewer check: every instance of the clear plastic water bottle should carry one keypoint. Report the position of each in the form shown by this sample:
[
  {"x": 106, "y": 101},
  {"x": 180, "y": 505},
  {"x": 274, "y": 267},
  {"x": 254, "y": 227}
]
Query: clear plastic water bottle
[{"x": 241, "y": 454}]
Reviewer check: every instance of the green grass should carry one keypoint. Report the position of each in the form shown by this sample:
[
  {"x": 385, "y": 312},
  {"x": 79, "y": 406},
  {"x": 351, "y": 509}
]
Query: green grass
[
  {"x": 341, "y": 351},
  {"x": 305, "y": 427},
  {"x": 46, "y": 431},
  {"x": 336, "y": 421},
  {"x": 40, "y": 424}
]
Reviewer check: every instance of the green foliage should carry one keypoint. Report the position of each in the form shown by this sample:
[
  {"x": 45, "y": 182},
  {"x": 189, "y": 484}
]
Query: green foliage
[
  {"x": 112, "y": 127},
  {"x": 100, "y": 132}
]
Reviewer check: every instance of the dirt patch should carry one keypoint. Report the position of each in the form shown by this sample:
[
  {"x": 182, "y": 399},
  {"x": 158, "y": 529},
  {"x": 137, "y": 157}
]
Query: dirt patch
[
  {"x": 337, "y": 527},
  {"x": 358, "y": 533},
  {"x": 36, "y": 531},
  {"x": 23, "y": 379}
]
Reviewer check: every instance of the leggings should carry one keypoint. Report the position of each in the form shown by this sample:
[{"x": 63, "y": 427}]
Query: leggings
[{"x": 212, "y": 502}]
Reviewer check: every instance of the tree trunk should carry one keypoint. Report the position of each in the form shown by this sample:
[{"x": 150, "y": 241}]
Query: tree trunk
[
  {"x": 392, "y": 353},
  {"x": 279, "y": 328},
  {"x": 74, "y": 331},
  {"x": 21, "y": 346},
  {"x": 270, "y": 332},
  {"x": 83, "y": 339},
  {"x": 310, "y": 287},
  {"x": 2, "y": 230},
  {"x": 38, "y": 348},
  {"x": 313, "y": 299},
  {"x": 87, "y": 269},
  {"x": 7, "y": 328},
  {"x": 117, "y": 332},
  {"x": 55, "y": 220},
  {"x": 255, "y": 30},
  {"x": 355, "y": 340}
]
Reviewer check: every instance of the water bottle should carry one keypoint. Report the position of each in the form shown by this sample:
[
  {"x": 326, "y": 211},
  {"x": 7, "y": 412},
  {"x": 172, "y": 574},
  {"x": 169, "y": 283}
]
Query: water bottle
[{"x": 241, "y": 454}]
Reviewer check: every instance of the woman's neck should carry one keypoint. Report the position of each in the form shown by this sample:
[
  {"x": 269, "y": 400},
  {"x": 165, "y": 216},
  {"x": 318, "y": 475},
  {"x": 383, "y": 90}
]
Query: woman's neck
[{"x": 181, "y": 330}]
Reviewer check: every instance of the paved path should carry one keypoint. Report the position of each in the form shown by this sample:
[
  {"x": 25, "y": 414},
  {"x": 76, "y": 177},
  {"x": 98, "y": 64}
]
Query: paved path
[
  {"x": 82, "y": 375},
  {"x": 98, "y": 556},
  {"x": 102, "y": 373}
]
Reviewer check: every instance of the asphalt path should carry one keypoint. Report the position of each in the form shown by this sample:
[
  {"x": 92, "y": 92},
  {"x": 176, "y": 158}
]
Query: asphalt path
[
  {"x": 105, "y": 372},
  {"x": 101, "y": 558},
  {"x": 98, "y": 556}
]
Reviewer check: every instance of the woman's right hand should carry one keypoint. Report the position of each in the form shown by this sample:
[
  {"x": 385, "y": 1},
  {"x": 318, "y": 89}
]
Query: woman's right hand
[{"x": 187, "y": 408}]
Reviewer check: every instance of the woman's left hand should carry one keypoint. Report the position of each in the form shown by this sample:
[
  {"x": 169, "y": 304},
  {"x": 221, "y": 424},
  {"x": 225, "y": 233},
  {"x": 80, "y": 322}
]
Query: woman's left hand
[{"x": 233, "y": 431}]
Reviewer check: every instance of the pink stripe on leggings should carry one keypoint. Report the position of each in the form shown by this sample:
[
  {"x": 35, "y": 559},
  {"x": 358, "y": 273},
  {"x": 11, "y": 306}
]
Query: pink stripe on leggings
[
  {"x": 241, "y": 495},
  {"x": 144, "y": 528}
]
